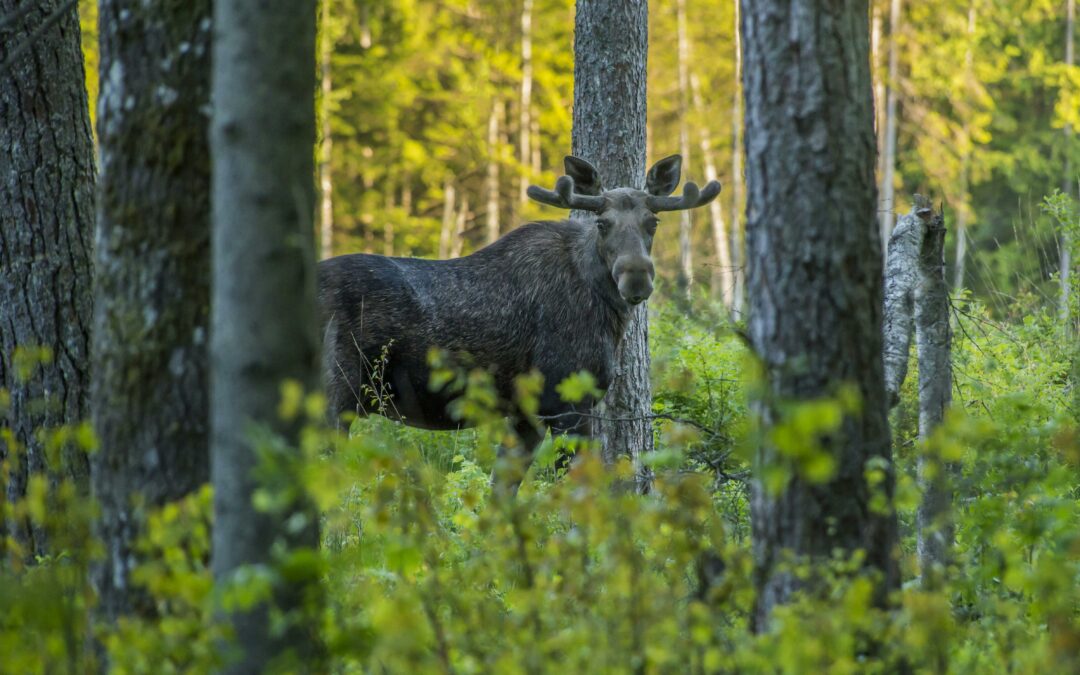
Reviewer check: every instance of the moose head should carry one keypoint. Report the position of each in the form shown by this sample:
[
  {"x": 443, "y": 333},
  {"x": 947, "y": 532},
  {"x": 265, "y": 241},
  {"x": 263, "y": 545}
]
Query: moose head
[{"x": 625, "y": 217}]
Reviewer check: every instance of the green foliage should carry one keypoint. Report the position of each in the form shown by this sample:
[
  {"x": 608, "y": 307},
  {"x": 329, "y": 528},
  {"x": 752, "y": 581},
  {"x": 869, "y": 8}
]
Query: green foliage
[{"x": 426, "y": 570}]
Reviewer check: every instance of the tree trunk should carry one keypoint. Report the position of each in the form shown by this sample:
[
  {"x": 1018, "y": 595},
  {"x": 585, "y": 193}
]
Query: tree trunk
[
  {"x": 965, "y": 161},
  {"x": 326, "y": 151},
  {"x": 493, "y": 171},
  {"x": 814, "y": 282},
  {"x": 901, "y": 278},
  {"x": 388, "y": 219},
  {"x": 46, "y": 222},
  {"x": 888, "y": 158},
  {"x": 152, "y": 297},
  {"x": 686, "y": 223},
  {"x": 1067, "y": 181},
  {"x": 738, "y": 250},
  {"x": 610, "y": 47},
  {"x": 722, "y": 278},
  {"x": 933, "y": 343},
  {"x": 446, "y": 232},
  {"x": 525, "y": 110},
  {"x": 457, "y": 242},
  {"x": 264, "y": 325},
  {"x": 875, "y": 74}
]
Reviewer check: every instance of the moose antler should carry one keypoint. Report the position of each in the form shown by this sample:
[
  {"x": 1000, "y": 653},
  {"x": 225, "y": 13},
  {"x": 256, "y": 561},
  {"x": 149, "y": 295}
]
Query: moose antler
[
  {"x": 692, "y": 197},
  {"x": 564, "y": 196}
]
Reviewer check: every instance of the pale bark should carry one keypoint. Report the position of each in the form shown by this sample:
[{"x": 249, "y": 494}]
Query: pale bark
[
  {"x": 814, "y": 282},
  {"x": 388, "y": 220},
  {"x": 1067, "y": 180},
  {"x": 933, "y": 343},
  {"x": 901, "y": 278},
  {"x": 446, "y": 232},
  {"x": 959, "y": 270},
  {"x": 263, "y": 320},
  {"x": 738, "y": 248},
  {"x": 525, "y": 104},
  {"x": 610, "y": 47},
  {"x": 686, "y": 223},
  {"x": 916, "y": 294},
  {"x": 457, "y": 241},
  {"x": 326, "y": 154},
  {"x": 888, "y": 159},
  {"x": 150, "y": 352},
  {"x": 494, "y": 158},
  {"x": 965, "y": 161},
  {"x": 723, "y": 278},
  {"x": 46, "y": 226}
]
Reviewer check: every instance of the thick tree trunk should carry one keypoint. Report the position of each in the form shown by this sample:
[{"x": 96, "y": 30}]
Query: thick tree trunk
[
  {"x": 933, "y": 342},
  {"x": 738, "y": 249},
  {"x": 264, "y": 325},
  {"x": 814, "y": 282},
  {"x": 610, "y": 47},
  {"x": 525, "y": 105},
  {"x": 722, "y": 279},
  {"x": 152, "y": 297},
  {"x": 686, "y": 223},
  {"x": 888, "y": 157},
  {"x": 494, "y": 156},
  {"x": 46, "y": 223}
]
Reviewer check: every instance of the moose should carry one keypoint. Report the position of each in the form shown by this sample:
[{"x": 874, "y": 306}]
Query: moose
[{"x": 553, "y": 296}]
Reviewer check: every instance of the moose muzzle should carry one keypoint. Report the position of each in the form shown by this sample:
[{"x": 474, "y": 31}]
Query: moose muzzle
[{"x": 634, "y": 277}]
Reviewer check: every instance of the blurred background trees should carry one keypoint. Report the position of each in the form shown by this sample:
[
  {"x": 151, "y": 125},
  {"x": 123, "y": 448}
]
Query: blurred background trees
[{"x": 437, "y": 113}]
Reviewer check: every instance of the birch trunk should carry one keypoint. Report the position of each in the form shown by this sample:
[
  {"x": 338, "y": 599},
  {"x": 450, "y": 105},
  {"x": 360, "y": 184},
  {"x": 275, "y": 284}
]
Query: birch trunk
[
  {"x": 263, "y": 319},
  {"x": 447, "y": 229},
  {"x": 524, "y": 113},
  {"x": 388, "y": 219},
  {"x": 965, "y": 162},
  {"x": 814, "y": 282},
  {"x": 610, "y": 47},
  {"x": 738, "y": 249},
  {"x": 888, "y": 160},
  {"x": 46, "y": 234},
  {"x": 686, "y": 223},
  {"x": 457, "y": 242},
  {"x": 723, "y": 279},
  {"x": 1067, "y": 181},
  {"x": 149, "y": 398},
  {"x": 326, "y": 154},
  {"x": 493, "y": 172}
]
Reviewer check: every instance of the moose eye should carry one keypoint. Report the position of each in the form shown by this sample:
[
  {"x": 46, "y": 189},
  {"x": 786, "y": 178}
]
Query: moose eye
[{"x": 603, "y": 225}]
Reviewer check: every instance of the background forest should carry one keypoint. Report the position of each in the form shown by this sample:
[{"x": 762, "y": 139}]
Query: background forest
[
  {"x": 432, "y": 119},
  {"x": 436, "y": 115}
]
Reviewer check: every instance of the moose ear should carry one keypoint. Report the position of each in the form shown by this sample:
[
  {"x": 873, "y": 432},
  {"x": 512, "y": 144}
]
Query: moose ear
[
  {"x": 586, "y": 177},
  {"x": 664, "y": 176}
]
